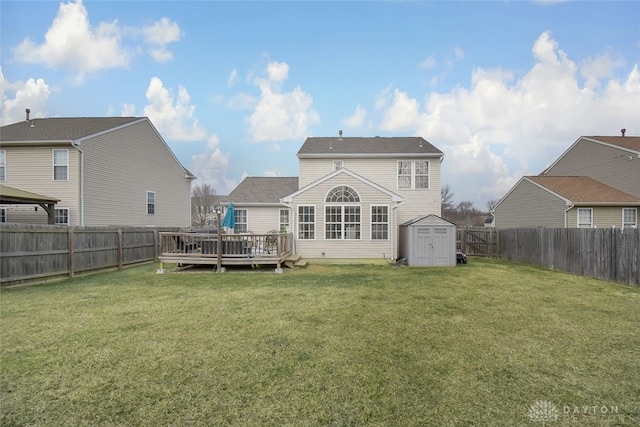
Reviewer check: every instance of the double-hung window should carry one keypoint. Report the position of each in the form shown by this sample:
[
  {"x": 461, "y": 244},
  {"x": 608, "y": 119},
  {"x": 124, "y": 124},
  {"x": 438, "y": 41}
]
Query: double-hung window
[
  {"x": 3, "y": 215},
  {"x": 413, "y": 174},
  {"x": 242, "y": 221},
  {"x": 61, "y": 216},
  {"x": 307, "y": 222},
  {"x": 284, "y": 220},
  {"x": 342, "y": 214},
  {"x": 585, "y": 218},
  {"x": 629, "y": 218},
  {"x": 3, "y": 165},
  {"x": 151, "y": 203},
  {"x": 379, "y": 222},
  {"x": 61, "y": 165}
]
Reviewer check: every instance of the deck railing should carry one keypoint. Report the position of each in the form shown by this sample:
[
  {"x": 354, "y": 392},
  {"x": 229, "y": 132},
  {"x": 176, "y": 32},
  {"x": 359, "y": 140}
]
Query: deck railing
[{"x": 201, "y": 245}]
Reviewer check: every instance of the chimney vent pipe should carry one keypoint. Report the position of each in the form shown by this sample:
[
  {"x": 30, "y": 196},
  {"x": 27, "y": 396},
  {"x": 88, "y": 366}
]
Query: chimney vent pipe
[
  {"x": 27, "y": 111},
  {"x": 623, "y": 131}
]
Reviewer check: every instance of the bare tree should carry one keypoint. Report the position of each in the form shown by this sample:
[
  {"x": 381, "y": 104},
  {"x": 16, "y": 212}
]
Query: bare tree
[
  {"x": 446, "y": 200},
  {"x": 202, "y": 205},
  {"x": 491, "y": 204}
]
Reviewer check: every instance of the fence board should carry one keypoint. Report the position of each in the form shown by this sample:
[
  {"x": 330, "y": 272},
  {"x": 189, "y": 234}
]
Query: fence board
[{"x": 605, "y": 253}]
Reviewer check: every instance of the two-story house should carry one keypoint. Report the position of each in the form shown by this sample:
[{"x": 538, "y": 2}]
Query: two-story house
[
  {"x": 350, "y": 198},
  {"x": 100, "y": 170},
  {"x": 594, "y": 183}
]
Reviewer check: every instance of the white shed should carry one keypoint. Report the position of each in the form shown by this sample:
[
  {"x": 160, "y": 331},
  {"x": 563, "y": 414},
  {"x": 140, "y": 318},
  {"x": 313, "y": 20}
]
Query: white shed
[{"x": 428, "y": 241}]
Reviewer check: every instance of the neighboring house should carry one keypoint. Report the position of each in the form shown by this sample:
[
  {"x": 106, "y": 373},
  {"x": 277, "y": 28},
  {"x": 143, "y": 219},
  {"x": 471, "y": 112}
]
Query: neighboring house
[
  {"x": 103, "y": 170},
  {"x": 350, "y": 198},
  {"x": 566, "y": 201}
]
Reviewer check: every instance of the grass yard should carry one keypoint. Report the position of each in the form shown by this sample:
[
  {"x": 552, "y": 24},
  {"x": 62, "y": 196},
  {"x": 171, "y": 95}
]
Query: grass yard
[{"x": 489, "y": 343}]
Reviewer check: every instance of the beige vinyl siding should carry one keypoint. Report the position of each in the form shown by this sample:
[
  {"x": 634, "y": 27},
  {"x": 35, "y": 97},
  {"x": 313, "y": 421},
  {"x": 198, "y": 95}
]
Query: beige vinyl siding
[
  {"x": 528, "y": 205},
  {"x": 609, "y": 165},
  {"x": 384, "y": 172},
  {"x": 321, "y": 248},
  {"x": 262, "y": 219},
  {"x": 603, "y": 216},
  {"x": 31, "y": 169},
  {"x": 120, "y": 167}
]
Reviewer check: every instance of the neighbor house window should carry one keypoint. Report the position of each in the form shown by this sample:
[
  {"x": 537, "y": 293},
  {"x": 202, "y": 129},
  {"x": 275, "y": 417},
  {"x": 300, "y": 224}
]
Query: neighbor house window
[
  {"x": 151, "y": 203},
  {"x": 60, "y": 165},
  {"x": 284, "y": 220},
  {"x": 61, "y": 216},
  {"x": 629, "y": 218},
  {"x": 342, "y": 214},
  {"x": 379, "y": 222},
  {"x": 585, "y": 218},
  {"x": 338, "y": 164},
  {"x": 242, "y": 223},
  {"x": 306, "y": 222},
  {"x": 3, "y": 215},
  {"x": 3, "y": 165}
]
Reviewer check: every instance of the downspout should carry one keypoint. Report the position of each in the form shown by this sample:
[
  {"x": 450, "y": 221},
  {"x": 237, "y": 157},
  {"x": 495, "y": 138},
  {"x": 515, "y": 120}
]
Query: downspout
[
  {"x": 566, "y": 223},
  {"x": 80, "y": 181},
  {"x": 395, "y": 230}
]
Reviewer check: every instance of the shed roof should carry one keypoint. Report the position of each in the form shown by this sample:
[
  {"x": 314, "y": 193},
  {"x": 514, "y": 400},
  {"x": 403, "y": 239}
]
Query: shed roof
[
  {"x": 582, "y": 189},
  {"x": 61, "y": 128},
  {"x": 263, "y": 190},
  {"x": 367, "y": 147},
  {"x": 430, "y": 219}
]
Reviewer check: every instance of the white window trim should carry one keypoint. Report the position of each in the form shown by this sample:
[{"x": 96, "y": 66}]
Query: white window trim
[
  {"x": 3, "y": 164},
  {"x": 371, "y": 222},
  {"x": 68, "y": 215},
  {"x": 578, "y": 217},
  {"x": 343, "y": 231},
  {"x": 315, "y": 222},
  {"x": 280, "y": 223},
  {"x": 235, "y": 214},
  {"x": 146, "y": 203},
  {"x": 53, "y": 164},
  {"x": 338, "y": 164},
  {"x": 634, "y": 225},
  {"x": 412, "y": 175}
]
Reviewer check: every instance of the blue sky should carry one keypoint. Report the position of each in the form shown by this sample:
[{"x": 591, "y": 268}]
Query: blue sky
[{"x": 235, "y": 87}]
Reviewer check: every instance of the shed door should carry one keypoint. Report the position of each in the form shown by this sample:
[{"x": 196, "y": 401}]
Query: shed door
[
  {"x": 441, "y": 246},
  {"x": 423, "y": 247}
]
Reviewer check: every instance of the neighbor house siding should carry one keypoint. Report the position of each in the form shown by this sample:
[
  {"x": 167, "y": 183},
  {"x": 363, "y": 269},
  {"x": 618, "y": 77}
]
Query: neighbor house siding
[
  {"x": 32, "y": 170},
  {"x": 121, "y": 166},
  {"x": 321, "y": 248},
  {"x": 603, "y": 216},
  {"x": 384, "y": 172},
  {"x": 607, "y": 164},
  {"x": 528, "y": 205}
]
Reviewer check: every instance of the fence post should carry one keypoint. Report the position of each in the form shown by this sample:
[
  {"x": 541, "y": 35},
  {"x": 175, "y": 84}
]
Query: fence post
[
  {"x": 120, "y": 250},
  {"x": 70, "y": 247}
]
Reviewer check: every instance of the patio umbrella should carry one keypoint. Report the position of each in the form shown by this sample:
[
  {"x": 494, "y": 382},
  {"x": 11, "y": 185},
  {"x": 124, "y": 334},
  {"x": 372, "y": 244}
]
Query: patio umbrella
[{"x": 229, "y": 220}]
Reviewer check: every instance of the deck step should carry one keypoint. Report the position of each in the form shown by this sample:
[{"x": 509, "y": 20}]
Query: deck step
[{"x": 301, "y": 263}]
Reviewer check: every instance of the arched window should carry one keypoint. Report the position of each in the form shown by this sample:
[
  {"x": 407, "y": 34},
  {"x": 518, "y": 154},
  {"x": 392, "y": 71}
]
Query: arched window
[{"x": 342, "y": 214}]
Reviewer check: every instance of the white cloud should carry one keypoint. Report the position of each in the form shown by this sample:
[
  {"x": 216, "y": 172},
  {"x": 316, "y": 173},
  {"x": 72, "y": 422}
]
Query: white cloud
[
  {"x": 503, "y": 126},
  {"x": 71, "y": 42},
  {"x": 233, "y": 77},
  {"x": 429, "y": 63},
  {"x": 280, "y": 115},
  {"x": 18, "y": 96},
  {"x": 356, "y": 119},
  {"x": 174, "y": 118},
  {"x": 211, "y": 167}
]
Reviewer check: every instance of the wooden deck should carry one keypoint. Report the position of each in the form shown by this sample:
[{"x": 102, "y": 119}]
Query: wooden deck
[{"x": 232, "y": 249}]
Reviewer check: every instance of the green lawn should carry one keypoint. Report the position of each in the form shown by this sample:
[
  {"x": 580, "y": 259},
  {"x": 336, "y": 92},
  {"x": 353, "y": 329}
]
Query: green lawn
[{"x": 481, "y": 344}]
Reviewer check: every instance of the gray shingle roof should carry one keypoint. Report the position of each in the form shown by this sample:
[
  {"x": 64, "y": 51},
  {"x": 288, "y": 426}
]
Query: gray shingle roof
[
  {"x": 263, "y": 189},
  {"x": 367, "y": 147},
  {"x": 60, "y": 129},
  {"x": 582, "y": 189},
  {"x": 630, "y": 142}
]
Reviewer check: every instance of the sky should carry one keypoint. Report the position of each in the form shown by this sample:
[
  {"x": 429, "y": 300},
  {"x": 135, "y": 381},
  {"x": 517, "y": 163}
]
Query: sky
[{"x": 235, "y": 87}]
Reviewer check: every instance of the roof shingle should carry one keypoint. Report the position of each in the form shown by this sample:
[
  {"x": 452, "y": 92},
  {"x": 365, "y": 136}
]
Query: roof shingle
[
  {"x": 582, "y": 189},
  {"x": 60, "y": 129},
  {"x": 367, "y": 146},
  {"x": 263, "y": 189}
]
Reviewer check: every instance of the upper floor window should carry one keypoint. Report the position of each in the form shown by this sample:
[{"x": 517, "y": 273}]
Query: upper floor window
[
  {"x": 379, "y": 222},
  {"x": 307, "y": 222},
  {"x": 413, "y": 174},
  {"x": 629, "y": 218},
  {"x": 3, "y": 215},
  {"x": 61, "y": 216},
  {"x": 338, "y": 164},
  {"x": 585, "y": 218},
  {"x": 151, "y": 203},
  {"x": 241, "y": 218},
  {"x": 3, "y": 165},
  {"x": 61, "y": 165},
  {"x": 284, "y": 220}
]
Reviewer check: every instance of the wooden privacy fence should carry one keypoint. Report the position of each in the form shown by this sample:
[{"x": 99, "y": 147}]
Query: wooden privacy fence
[
  {"x": 478, "y": 241},
  {"x": 31, "y": 252},
  {"x": 604, "y": 253}
]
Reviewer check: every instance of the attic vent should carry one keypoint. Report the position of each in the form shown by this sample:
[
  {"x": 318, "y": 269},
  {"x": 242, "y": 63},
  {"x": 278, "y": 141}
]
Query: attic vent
[{"x": 340, "y": 134}]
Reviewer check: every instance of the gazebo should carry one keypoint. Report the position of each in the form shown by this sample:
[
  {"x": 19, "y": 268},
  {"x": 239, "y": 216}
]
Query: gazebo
[{"x": 14, "y": 196}]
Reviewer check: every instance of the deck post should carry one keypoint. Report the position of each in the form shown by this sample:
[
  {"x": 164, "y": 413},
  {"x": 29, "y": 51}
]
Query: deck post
[{"x": 219, "y": 242}]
